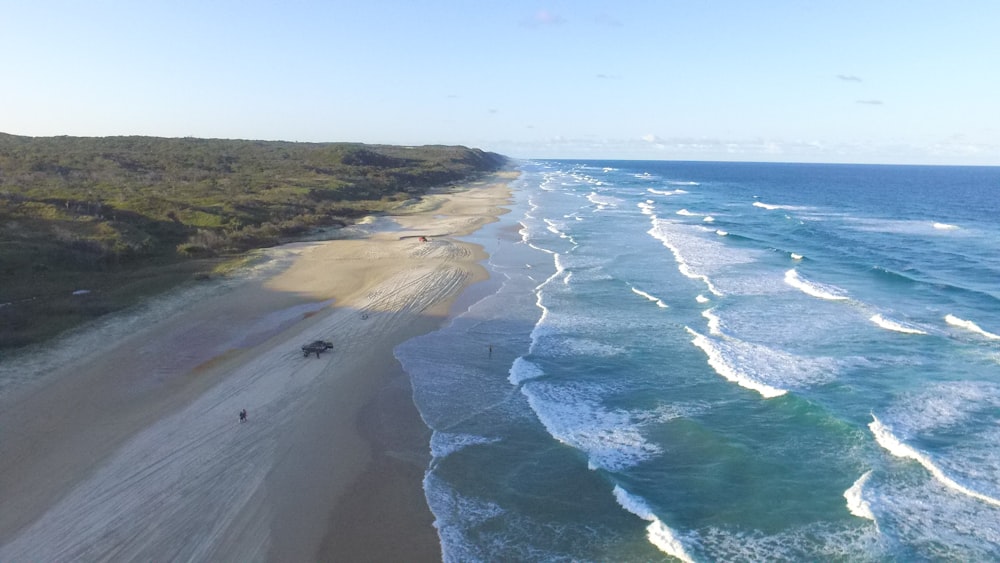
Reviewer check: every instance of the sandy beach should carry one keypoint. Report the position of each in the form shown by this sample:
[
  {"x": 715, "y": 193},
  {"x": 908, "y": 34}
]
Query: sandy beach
[{"x": 132, "y": 449}]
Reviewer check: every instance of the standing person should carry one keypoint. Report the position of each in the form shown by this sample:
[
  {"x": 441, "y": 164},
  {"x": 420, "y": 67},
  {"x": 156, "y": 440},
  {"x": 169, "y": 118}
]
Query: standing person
[{"x": 243, "y": 415}]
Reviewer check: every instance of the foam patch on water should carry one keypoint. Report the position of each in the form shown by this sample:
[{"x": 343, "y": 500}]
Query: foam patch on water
[
  {"x": 970, "y": 326},
  {"x": 659, "y": 302},
  {"x": 819, "y": 541},
  {"x": 945, "y": 227},
  {"x": 575, "y": 347},
  {"x": 856, "y": 503},
  {"x": 698, "y": 257},
  {"x": 905, "y": 227},
  {"x": 944, "y": 405},
  {"x": 604, "y": 201},
  {"x": 768, "y": 371},
  {"x": 933, "y": 522},
  {"x": 714, "y": 322},
  {"x": 522, "y": 370},
  {"x": 555, "y": 227},
  {"x": 895, "y": 326},
  {"x": 815, "y": 289},
  {"x": 970, "y": 409},
  {"x": 572, "y": 414},
  {"x": 444, "y": 444},
  {"x": 773, "y": 207},
  {"x": 454, "y": 515},
  {"x": 678, "y": 191},
  {"x": 659, "y": 534},
  {"x": 728, "y": 367},
  {"x": 894, "y": 445}
]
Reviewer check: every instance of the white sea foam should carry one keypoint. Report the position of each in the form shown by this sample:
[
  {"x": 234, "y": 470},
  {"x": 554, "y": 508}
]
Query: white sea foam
[
  {"x": 454, "y": 513},
  {"x": 772, "y": 207},
  {"x": 945, "y": 404},
  {"x": 659, "y": 534},
  {"x": 647, "y": 208},
  {"x": 725, "y": 365},
  {"x": 945, "y": 227},
  {"x": 903, "y": 226},
  {"x": 603, "y": 201},
  {"x": 714, "y": 322},
  {"x": 666, "y": 192},
  {"x": 583, "y": 347},
  {"x": 821, "y": 291},
  {"x": 817, "y": 541},
  {"x": 721, "y": 233},
  {"x": 856, "y": 503},
  {"x": 444, "y": 444},
  {"x": 709, "y": 219},
  {"x": 701, "y": 299},
  {"x": 697, "y": 256},
  {"x": 934, "y": 522},
  {"x": 572, "y": 414},
  {"x": 795, "y": 256},
  {"x": 681, "y": 183},
  {"x": 657, "y": 300},
  {"x": 523, "y": 370},
  {"x": 895, "y": 446},
  {"x": 555, "y": 228},
  {"x": 686, "y": 213},
  {"x": 895, "y": 326},
  {"x": 970, "y": 326}
]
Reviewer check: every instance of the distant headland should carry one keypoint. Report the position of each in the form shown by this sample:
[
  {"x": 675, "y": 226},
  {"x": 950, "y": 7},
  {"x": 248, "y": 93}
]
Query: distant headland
[{"x": 89, "y": 225}]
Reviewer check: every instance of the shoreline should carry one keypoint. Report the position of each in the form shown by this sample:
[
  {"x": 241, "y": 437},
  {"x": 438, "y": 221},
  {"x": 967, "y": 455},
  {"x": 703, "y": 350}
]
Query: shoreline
[{"x": 338, "y": 429}]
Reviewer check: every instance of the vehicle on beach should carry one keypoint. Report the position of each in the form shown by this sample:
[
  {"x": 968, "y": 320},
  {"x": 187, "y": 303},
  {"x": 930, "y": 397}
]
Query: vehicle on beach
[{"x": 316, "y": 347}]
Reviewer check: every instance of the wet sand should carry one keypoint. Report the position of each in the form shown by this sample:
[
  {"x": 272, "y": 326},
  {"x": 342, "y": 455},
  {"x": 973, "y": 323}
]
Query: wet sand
[{"x": 132, "y": 450}]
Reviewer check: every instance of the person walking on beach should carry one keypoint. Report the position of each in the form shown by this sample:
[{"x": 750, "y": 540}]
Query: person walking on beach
[{"x": 243, "y": 415}]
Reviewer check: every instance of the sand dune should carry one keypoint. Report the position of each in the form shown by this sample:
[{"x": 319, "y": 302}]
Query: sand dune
[{"x": 139, "y": 454}]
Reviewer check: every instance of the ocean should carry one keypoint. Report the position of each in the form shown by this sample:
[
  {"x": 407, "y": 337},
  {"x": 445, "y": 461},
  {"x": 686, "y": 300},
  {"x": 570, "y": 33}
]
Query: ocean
[{"x": 692, "y": 361}]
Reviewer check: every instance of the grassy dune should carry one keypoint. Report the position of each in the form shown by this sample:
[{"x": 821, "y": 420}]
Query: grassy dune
[{"x": 127, "y": 217}]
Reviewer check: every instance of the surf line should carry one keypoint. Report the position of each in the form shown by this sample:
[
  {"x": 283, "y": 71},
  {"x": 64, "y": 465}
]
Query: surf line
[{"x": 896, "y": 447}]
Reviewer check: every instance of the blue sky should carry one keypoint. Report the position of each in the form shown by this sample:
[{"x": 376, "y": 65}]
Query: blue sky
[{"x": 815, "y": 81}]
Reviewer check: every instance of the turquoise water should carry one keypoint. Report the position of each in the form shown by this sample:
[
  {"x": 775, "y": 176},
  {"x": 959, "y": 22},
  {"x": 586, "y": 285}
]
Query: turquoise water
[{"x": 723, "y": 362}]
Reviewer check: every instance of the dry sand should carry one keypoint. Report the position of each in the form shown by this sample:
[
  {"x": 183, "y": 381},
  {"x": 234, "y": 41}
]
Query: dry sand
[{"x": 132, "y": 450}]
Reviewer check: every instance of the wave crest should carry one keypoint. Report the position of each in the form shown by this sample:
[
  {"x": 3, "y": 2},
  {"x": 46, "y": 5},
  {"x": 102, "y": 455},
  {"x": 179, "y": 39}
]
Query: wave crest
[{"x": 819, "y": 290}]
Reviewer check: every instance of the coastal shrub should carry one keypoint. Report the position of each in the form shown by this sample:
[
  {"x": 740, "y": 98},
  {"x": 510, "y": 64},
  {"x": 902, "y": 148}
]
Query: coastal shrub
[{"x": 72, "y": 207}]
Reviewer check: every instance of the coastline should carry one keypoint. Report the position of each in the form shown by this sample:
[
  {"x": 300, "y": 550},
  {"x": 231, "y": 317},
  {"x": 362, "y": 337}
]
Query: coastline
[{"x": 329, "y": 465}]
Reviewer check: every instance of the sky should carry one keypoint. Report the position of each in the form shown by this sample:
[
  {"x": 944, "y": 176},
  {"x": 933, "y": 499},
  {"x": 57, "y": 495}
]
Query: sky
[{"x": 872, "y": 81}]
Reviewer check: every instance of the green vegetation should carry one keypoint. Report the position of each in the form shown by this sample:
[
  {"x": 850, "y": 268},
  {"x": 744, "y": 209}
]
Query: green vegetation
[{"x": 125, "y": 217}]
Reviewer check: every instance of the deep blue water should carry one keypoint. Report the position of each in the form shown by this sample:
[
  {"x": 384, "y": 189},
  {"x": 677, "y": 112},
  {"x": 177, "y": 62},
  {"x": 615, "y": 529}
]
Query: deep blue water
[{"x": 723, "y": 362}]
